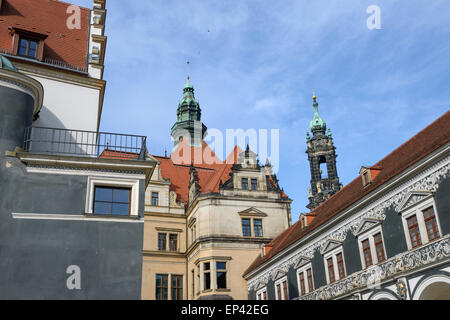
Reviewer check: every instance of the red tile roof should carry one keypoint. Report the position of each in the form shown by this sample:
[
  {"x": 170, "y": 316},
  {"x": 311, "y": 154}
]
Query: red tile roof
[
  {"x": 47, "y": 17},
  {"x": 425, "y": 142},
  {"x": 210, "y": 169},
  {"x": 114, "y": 154}
]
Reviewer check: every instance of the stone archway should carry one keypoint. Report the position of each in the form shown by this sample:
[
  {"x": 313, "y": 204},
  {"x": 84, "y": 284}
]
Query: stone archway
[
  {"x": 383, "y": 296},
  {"x": 433, "y": 288}
]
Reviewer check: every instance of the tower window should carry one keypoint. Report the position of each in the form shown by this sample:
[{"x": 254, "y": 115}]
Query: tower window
[
  {"x": 246, "y": 228},
  {"x": 254, "y": 184},
  {"x": 323, "y": 168},
  {"x": 244, "y": 184}
]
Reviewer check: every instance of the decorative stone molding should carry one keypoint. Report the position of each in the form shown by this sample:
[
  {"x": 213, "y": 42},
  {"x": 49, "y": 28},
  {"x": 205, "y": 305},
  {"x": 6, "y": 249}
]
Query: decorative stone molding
[
  {"x": 423, "y": 256},
  {"x": 426, "y": 181}
]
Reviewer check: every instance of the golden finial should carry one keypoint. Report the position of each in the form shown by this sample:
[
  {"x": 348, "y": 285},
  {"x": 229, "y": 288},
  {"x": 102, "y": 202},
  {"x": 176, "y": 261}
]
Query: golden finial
[
  {"x": 188, "y": 78},
  {"x": 314, "y": 95}
]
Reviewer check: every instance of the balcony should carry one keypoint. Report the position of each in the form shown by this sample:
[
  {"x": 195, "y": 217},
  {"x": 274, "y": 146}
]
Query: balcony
[{"x": 78, "y": 143}]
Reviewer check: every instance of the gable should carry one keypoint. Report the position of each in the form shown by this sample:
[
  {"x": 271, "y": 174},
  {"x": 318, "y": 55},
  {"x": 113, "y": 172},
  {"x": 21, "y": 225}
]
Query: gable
[
  {"x": 413, "y": 198},
  {"x": 331, "y": 245},
  {"x": 367, "y": 224},
  {"x": 252, "y": 212}
]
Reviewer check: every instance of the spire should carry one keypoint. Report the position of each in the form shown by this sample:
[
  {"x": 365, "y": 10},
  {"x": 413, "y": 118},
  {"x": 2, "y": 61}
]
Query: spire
[
  {"x": 317, "y": 125},
  {"x": 189, "y": 117}
]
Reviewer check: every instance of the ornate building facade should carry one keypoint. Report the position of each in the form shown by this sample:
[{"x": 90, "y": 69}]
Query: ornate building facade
[
  {"x": 384, "y": 236},
  {"x": 206, "y": 218}
]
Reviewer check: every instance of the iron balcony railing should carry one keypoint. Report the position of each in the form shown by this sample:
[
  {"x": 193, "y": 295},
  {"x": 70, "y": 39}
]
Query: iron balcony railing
[{"x": 105, "y": 145}]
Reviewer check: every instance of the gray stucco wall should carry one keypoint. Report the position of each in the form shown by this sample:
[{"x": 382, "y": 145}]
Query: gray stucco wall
[
  {"x": 351, "y": 254},
  {"x": 318, "y": 268},
  {"x": 441, "y": 198},
  {"x": 393, "y": 234},
  {"x": 35, "y": 254},
  {"x": 292, "y": 283}
]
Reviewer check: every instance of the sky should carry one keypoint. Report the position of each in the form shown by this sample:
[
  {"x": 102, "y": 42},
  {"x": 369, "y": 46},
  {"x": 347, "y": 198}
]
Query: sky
[{"x": 254, "y": 65}]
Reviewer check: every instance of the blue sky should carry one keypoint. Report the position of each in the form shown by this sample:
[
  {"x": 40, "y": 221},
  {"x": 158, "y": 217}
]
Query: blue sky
[{"x": 254, "y": 64}]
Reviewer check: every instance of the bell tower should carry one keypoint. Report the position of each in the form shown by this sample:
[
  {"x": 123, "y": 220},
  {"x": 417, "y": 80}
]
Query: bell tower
[
  {"x": 322, "y": 159},
  {"x": 188, "y": 124}
]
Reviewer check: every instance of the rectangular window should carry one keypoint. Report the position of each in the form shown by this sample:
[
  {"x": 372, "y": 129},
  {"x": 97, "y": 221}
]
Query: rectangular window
[
  {"x": 254, "y": 184},
  {"x": 221, "y": 275},
  {"x": 431, "y": 224},
  {"x": 244, "y": 184},
  {"x": 177, "y": 287},
  {"x": 207, "y": 276},
  {"x": 28, "y": 48},
  {"x": 302, "y": 284},
  {"x": 112, "y": 201},
  {"x": 310, "y": 280},
  {"x": 340, "y": 264},
  {"x": 161, "y": 286},
  {"x": 246, "y": 228},
  {"x": 285, "y": 290},
  {"x": 262, "y": 295},
  {"x": 279, "y": 291},
  {"x": 155, "y": 198},
  {"x": 258, "y": 229},
  {"x": 366, "y": 253},
  {"x": 173, "y": 242},
  {"x": 414, "y": 234},
  {"x": 161, "y": 241},
  {"x": 331, "y": 270},
  {"x": 379, "y": 247}
]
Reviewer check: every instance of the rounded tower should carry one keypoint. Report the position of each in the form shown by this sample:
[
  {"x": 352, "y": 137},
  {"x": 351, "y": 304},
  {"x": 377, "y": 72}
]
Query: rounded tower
[{"x": 21, "y": 101}]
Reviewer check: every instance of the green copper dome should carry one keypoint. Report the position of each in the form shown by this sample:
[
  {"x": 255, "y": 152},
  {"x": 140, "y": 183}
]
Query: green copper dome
[
  {"x": 317, "y": 124},
  {"x": 6, "y": 64}
]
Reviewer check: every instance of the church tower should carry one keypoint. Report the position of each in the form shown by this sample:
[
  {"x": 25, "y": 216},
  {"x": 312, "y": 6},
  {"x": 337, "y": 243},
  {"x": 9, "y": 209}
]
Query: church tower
[
  {"x": 322, "y": 158},
  {"x": 188, "y": 124}
]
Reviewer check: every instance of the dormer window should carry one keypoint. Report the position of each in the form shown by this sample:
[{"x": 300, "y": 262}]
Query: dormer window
[
  {"x": 28, "y": 48},
  {"x": 369, "y": 174},
  {"x": 28, "y": 44}
]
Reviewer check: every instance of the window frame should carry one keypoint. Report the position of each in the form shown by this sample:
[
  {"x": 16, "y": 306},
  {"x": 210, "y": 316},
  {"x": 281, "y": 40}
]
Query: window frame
[
  {"x": 253, "y": 184},
  {"x": 112, "y": 201},
  {"x": 303, "y": 270},
  {"x": 246, "y": 183},
  {"x": 28, "y": 41},
  {"x": 333, "y": 256},
  {"x": 418, "y": 210},
  {"x": 254, "y": 228},
  {"x": 216, "y": 271},
  {"x": 133, "y": 184},
  {"x": 249, "y": 227},
  {"x": 369, "y": 235},
  {"x": 164, "y": 238},
  {"x": 152, "y": 198},
  {"x": 176, "y": 276},
  {"x": 162, "y": 287},
  {"x": 284, "y": 289},
  {"x": 261, "y": 294}
]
